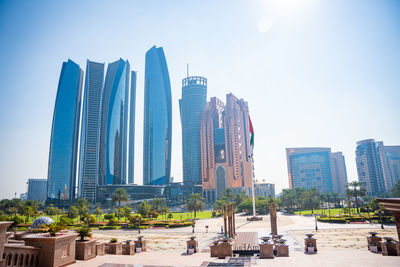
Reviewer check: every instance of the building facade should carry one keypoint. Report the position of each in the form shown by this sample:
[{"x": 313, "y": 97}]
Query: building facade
[
  {"x": 132, "y": 109},
  {"x": 264, "y": 190},
  {"x": 114, "y": 121},
  {"x": 194, "y": 98},
  {"x": 37, "y": 189},
  {"x": 377, "y": 166},
  {"x": 340, "y": 174},
  {"x": 225, "y": 147},
  {"x": 157, "y": 128},
  {"x": 63, "y": 152},
  {"x": 90, "y": 131},
  {"x": 310, "y": 167}
]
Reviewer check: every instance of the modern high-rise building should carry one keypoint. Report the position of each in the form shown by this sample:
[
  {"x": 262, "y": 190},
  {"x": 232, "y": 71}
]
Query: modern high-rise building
[
  {"x": 157, "y": 125},
  {"x": 63, "y": 152},
  {"x": 377, "y": 165},
  {"x": 114, "y": 121},
  {"x": 194, "y": 98},
  {"x": 90, "y": 131},
  {"x": 225, "y": 147},
  {"x": 310, "y": 167},
  {"x": 37, "y": 189},
  {"x": 264, "y": 189},
  {"x": 132, "y": 108},
  {"x": 340, "y": 181}
]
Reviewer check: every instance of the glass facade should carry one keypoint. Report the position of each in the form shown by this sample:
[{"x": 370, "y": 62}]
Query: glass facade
[
  {"x": 311, "y": 167},
  {"x": 131, "y": 161},
  {"x": 64, "y": 134},
  {"x": 113, "y": 132},
  {"x": 90, "y": 131},
  {"x": 194, "y": 99},
  {"x": 37, "y": 189},
  {"x": 157, "y": 120}
]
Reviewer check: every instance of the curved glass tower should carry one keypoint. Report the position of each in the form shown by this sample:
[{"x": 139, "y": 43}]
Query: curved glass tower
[
  {"x": 65, "y": 133},
  {"x": 90, "y": 134},
  {"x": 194, "y": 98},
  {"x": 157, "y": 119},
  {"x": 113, "y": 131}
]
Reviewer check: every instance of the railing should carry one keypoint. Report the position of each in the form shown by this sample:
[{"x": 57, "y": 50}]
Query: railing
[{"x": 21, "y": 256}]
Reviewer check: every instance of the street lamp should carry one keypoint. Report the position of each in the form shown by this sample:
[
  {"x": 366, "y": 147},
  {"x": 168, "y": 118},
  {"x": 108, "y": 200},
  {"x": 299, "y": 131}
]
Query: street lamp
[
  {"x": 206, "y": 229},
  {"x": 193, "y": 224},
  {"x": 380, "y": 215},
  {"x": 316, "y": 226},
  {"x": 140, "y": 219}
]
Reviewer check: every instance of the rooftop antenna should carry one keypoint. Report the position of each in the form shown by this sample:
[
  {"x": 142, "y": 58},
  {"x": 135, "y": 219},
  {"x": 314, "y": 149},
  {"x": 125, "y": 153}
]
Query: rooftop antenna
[{"x": 187, "y": 70}]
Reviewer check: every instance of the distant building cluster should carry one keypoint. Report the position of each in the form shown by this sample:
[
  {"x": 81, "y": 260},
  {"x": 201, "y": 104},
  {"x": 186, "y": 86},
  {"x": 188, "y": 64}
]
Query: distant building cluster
[
  {"x": 317, "y": 167},
  {"x": 378, "y": 168},
  {"x": 215, "y": 137}
]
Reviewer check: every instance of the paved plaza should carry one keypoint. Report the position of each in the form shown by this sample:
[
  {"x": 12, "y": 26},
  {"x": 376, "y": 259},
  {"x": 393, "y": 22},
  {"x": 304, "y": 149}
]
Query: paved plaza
[{"x": 338, "y": 244}]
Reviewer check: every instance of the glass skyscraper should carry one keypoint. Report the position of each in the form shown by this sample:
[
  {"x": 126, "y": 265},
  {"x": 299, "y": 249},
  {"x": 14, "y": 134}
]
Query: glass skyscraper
[
  {"x": 64, "y": 134},
  {"x": 113, "y": 131},
  {"x": 157, "y": 119},
  {"x": 194, "y": 99},
  {"x": 90, "y": 131},
  {"x": 131, "y": 161}
]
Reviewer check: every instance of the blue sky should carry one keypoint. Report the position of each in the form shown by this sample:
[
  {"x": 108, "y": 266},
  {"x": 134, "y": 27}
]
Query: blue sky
[{"x": 315, "y": 73}]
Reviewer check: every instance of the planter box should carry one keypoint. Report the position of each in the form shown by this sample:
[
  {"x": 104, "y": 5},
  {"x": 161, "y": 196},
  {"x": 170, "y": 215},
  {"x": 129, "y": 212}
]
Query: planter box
[
  {"x": 114, "y": 248},
  {"x": 128, "y": 249},
  {"x": 3, "y": 238},
  {"x": 85, "y": 250},
  {"x": 55, "y": 251},
  {"x": 100, "y": 248}
]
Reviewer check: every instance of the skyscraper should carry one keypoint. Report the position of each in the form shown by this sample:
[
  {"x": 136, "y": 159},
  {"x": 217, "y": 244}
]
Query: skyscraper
[
  {"x": 194, "y": 98},
  {"x": 90, "y": 131},
  {"x": 340, "y": 175},
  {"x": 114, "y": 120},
  {"x": 225, "y": 147},
  {"x": 131, "y": 161},
  {"x": 311, "y": 167},
  {"x": 65, "y": 133},
  {"x": 157, "y": 126},
  {"x": 37, "y": 189},
  {"x": 377, "y": 165}
]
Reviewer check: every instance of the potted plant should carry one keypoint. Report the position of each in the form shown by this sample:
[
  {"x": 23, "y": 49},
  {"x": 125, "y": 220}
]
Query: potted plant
[
  {"x": 57, "y": 248},
  {"x": 85, "y": 249},
  {"x": 114, "y": 247}
]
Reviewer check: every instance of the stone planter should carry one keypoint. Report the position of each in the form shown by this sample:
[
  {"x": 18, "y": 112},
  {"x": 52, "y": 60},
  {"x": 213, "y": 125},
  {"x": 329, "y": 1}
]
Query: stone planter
[
  {"x": 100, "y": 248},
  {"x": 128, "y": 249},
  {"x": 114, "y": 248},
  {"x": 85, "y": 250},
  {"x": 266, "y": 250},
  {"x": 55, "y": 251},
  {"x": 3, "y": 229}
]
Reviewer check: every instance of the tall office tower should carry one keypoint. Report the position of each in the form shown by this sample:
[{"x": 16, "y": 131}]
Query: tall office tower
[
  {"x": 393, "y": 160},
  {"x": 90, "y": 131},
  {"x": 194, "y": 98},
  {"x": 377, "y": 165},
  {"x": 114, "y": 120},
  {"x": 157, "y": 126},
  {"x": 310, "y": 167},
  {"x": 37, "y": 189},
  {"x": 132, "y": 105},
  {"x": 64, "y": 134},
  {"x": 225, "y": 147},
  {"x": 340, "y": 172}
]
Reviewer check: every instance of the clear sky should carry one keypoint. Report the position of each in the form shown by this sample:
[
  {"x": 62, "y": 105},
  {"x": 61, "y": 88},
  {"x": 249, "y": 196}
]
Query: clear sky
[{"x": 315, "y": 73}]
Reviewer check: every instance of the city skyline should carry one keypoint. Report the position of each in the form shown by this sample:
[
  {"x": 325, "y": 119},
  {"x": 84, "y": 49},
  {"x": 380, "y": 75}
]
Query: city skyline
[{"x": 310, "y": 78}]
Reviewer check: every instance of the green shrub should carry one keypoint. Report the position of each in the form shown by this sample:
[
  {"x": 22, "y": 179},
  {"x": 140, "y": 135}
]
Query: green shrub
[
  {"x": 113, "y": 222},
  {"x": 113, "y": 240},
  {"x": 84, "y": 232},
  {"x": 109, "y": 227},
  {"x": 332, "y": 220},
  {"x": 109, "y": 216}
]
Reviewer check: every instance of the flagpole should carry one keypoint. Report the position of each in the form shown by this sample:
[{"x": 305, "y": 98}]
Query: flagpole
[{"x": 252, "y": 188}]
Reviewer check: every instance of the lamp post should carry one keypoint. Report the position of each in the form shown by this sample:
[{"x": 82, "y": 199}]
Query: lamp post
[
  {"x": 140, "y": 219},
  {"x": 206, "y": 229},
  {"x": 380, "y": 215},
  {"x": 193, "y": 224},
  {"x": 316, "y": 226}
]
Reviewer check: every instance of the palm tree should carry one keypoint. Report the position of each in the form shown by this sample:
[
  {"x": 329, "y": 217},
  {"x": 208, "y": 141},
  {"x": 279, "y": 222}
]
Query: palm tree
[
  {"x": 98, "y": 212},
  {"x": 195, "y": 203},
  {"x": 355, "y": 189},
  {"x": 119, "y": 195}
]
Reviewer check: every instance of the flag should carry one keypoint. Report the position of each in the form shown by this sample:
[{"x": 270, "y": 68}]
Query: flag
[{"x": 251, "y": 135}]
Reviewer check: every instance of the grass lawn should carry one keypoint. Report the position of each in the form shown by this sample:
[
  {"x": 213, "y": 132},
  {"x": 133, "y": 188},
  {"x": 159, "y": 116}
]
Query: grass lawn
[{"x": 185, "y": 215}]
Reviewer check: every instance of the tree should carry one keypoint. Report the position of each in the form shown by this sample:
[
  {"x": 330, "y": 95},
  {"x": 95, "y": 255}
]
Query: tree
[
  {"x": 396, "y": 189},
  {"x": 356, "y": 190},
  {"x": 288, "y": 199},
  {"x": 82, "y": 206},
  {"x": 144, "y": 209},
  {"x": 127, "y": 212},
  {"x": 239, "y": 197},
  {"x": 119, "y": 213},
  {"x": 98, "y": 212},
  {"x": 219, "y": 205},
  {"x": 73, "y": 212},
  {"x": 50, "y": 211},
  {"x": 164, "y": 211},
  {"x": 119, "y": 195},
  {"x": 27, "y": 211},
  {"x": 195, "y": 203},
  {"x": 311, "y": 199},
  {"x": 158, "y": 204},
  {"x": 228, "y": 195}
]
